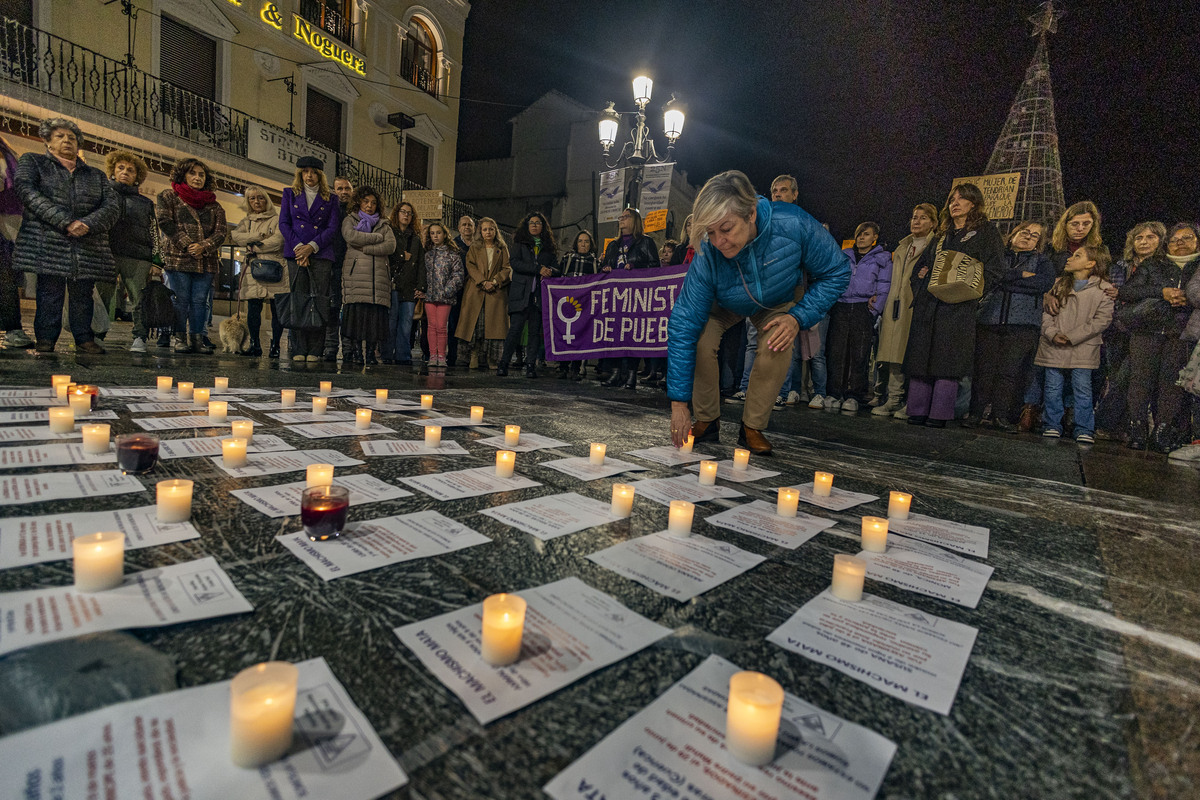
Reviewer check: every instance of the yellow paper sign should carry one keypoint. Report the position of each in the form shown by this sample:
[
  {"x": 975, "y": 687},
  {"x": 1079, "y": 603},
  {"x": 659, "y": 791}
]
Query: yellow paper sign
[
  {"x": 999, "y": 192},
  {"x": 607, "y": 242},
  {"x": 655, "y": 221}
]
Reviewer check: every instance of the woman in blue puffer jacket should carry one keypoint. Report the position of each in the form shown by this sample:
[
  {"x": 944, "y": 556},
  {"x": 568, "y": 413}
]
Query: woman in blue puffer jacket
[{"x": 752, "y": 256}]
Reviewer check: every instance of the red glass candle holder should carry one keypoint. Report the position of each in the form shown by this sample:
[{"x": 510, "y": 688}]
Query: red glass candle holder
[
  {"x": 137, "y": 453},
  {"x": 323, "y": 511}
]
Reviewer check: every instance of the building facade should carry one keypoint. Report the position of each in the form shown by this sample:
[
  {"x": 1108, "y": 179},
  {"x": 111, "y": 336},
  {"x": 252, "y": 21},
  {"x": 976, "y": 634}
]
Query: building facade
[{"x": 248, "y": 86}]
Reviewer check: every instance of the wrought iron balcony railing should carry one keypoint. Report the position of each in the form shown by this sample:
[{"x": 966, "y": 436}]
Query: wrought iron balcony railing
[
  {"x": 419, "y": 76},
  {"x": 330, "y": 17}
]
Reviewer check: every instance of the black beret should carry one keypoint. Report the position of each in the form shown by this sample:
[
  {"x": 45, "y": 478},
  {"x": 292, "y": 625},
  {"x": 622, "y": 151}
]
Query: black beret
[{"x": 310, "y": 161}]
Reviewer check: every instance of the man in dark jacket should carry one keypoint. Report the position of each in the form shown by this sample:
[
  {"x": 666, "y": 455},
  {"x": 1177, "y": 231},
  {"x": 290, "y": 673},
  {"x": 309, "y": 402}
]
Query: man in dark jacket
[
  {"x": 69, "y": 208},
  {"x": 344, "y": 189},
  {"x": 132, "y": 238}
]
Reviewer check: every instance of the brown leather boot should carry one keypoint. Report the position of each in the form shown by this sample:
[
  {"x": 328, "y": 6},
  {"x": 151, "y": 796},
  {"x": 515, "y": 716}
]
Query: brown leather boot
[
  {"x": 1029, "y": 418},
  {"x": 706, "y": 431},
  {"x": 754, "y": 441}
]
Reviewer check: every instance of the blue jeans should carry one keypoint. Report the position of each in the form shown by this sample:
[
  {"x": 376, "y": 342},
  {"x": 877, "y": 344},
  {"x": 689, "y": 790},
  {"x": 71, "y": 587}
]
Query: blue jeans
[
  {"x": 398, "y": 346},
  {"x": 817, "y": 367},
  {"x": 1081, "y": 385},
  {"x": 751, "y": 354},
  {"x": 192, "y": 290}
]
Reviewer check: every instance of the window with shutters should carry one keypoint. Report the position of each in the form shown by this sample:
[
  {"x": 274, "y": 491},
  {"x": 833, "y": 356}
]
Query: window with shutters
[
  {"x": 419, "y": 57},
  {"x": 323, "y": 119},
  {"x": 416, "y": 161},
  {"x": 188, "y": 68}
]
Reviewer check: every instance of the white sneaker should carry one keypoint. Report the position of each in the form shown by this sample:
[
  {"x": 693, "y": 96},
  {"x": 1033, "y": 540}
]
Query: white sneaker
[
  {"x": 17, "y": 338},
  {"x": 816, "y": 402},
  {"x": 793, "y": 397},
  {"x": 738, "y": 397},
  {"x": 1189, "y": 452},
  {"x": 833, "y": 404},
  {"x": 850, "y": 406},
  {"x": 138, "y": 345}
]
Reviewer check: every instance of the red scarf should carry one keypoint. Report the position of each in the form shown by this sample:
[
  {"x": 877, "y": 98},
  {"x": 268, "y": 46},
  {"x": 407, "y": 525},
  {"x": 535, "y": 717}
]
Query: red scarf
[{"x": 196, "y": 198}]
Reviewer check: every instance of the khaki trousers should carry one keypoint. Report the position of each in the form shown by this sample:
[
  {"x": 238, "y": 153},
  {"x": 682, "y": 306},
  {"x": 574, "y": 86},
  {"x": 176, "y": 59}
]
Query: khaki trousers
[{"x": 766, "y": 376}]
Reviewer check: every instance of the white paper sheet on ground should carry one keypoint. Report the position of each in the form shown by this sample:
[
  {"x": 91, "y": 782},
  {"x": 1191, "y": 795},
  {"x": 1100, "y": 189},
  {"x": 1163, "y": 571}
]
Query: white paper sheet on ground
[
  {"x": 583, "y": 469},
  {"x": 838, "y": 500},
  {"x": 179, "y": 593},
  {"x": 36, "y": 433},
  {"x": 275, "y": 405},
  {"x": 527, "y": 444},
  {"x": 177, "y": 745},
  {"x": 182, "y": 423},
  {"x": 557, "y": 515},
  {"x": 450, "y": 422},
  {"x": 334, "y": 429},
  {"x": 29, "y": 402},
  {"x": 899, "y": 650},
  {"x": 341, "y": 393},
  {"x": 374, "y": 543},
  {"x": 726, "y": 471},
  {"x": 758, "y": 519},
  {"x": 211, "y": 446},
  {"x": 186, "y": 405},
  {"x": 682, "y": 487},
  {"x": 671, "y": 456},
  {"x": 53, "y": 455},
  {"x": 571, "y": 630},
  {"x": 121, "y": 391},
  {"x": 258, "y": 464},
  {"x": 40, "y": 416},
  {"x": 467, "y": 483},
  {"x": 17, "y": 489},
  {"x": 678, "y": 742},
  {"x": 410, "y": 447},
  {"x": 297, "y": 417},
  {"x": 929, "y": 570},
  {"x": 678, "y": 567},
  {"x": 284, "y": 500},
  {"x": 34, "y": 540},
  {"x": 392, "y": 406},
  {"x": 970, "y": 539},
  {"x": 252, "y": 391},
  {"x": 40, "y": 391}
]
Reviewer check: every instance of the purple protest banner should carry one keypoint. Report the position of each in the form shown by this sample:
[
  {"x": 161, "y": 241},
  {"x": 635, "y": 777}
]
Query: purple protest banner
[{"x": 618, "y": 314}]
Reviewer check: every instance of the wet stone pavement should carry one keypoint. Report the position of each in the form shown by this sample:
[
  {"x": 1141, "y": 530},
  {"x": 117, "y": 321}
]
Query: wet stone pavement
[{"x": 1084, "y": 680}]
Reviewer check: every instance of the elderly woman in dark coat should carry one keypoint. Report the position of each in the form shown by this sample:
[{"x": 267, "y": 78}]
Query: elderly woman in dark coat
[{"x": 69, "y": 208}]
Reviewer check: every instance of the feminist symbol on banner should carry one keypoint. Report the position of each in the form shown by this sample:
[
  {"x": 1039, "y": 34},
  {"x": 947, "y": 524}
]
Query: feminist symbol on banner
[{"x": 569, "y": 337}]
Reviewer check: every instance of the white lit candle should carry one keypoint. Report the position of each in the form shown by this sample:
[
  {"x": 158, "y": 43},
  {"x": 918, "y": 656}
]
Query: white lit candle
[
  {"x": 233, "y": 452},
  {"x": 433, "y": 435},
  {"x": 200, "y": 398},
  {"x": 60, "y": 380},
  {"x": 185, "y": 389},
  {"x": 476, "y": 413},
  {"x": 319, "y": 475},
  {"x": 60, "y": 392},
  {"x": 325, "y": 388},
  {"x": 362, "y": 419},
  {"x": 62, "y": 419},
  {"x": 95, "y": 438},
  {"x": 287, "y": 398},
  {"x": 679, "y": 523},
  {"x": 874, "y": 534},
  {"x": 381, "y": 396},
  {"x": 503, "y": 627},
  {"x": 243, "y": 429},
  {"x": 218, "y": 410},
  {"x": 741, "y": 459},
  {"x": 262, "y": 708},
  {"x": 164, "y": 385},
  {"x": 506, "y": 462},
  {"x": 752, "y": 719},
  {"x": 822, "y": 484},
  {"x": 320, "y": 404},
  {"x": 512, "y": 435},
  {"x": 174, "y": 500},
  {"x": 596, "y": 456},
  {"x": 427, "y": 403},
  {"x": 899, "y": 504},
  {"x": 80, "y": 403},
  {"x": 708, "y": 473},
  {"x": 787, "y": 501},
  {"x": 848, "y": 575},
  {"x": 99, "y": 561},
  {"x": 220, "y": 384},
  {"x": 686, "y": 447},
  {"x": 622, "y": 499}
]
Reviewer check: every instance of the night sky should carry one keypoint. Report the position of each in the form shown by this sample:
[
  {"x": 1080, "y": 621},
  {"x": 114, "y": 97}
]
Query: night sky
[{"x": 873, "y": 106}]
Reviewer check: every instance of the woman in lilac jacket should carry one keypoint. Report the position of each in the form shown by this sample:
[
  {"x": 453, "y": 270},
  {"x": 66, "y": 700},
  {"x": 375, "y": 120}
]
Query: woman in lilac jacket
[
  {"x": 309, "y": 221},
  {"x": 852, "y": 320}
]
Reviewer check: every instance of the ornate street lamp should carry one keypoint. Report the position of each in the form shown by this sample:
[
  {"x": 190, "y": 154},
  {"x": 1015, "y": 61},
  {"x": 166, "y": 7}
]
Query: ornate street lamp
[{"x": 640, "y": 148}]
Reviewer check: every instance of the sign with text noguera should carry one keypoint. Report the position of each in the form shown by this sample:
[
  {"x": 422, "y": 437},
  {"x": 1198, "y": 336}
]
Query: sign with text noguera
[
  {"x": 623, "y": 313},
  {"x": 277, "y": 148}
]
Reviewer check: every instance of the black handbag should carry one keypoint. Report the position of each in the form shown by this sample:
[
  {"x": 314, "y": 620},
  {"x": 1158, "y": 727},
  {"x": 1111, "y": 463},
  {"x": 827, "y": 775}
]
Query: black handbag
[
  {"x": 301, "y": 309},
  {"x": 158, "y": 305},
  {"x": 265, "y": 270},
  {"x": 1148, "y": 315}
]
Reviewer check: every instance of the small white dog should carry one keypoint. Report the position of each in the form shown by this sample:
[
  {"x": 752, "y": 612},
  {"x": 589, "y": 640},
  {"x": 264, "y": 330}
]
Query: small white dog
[{"x": 234, "y": 334}]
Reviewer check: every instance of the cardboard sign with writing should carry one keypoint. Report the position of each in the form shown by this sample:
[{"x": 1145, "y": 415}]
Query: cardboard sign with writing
[{"x": 999, "y": 192}]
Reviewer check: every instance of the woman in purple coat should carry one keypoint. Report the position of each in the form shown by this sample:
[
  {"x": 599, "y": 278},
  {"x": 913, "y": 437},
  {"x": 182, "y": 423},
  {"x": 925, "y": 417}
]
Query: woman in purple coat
[{"x": 309, "y": 221}]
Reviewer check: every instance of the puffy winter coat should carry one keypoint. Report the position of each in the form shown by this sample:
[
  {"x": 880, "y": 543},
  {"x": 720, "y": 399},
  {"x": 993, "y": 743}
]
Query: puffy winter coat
[
  {"x": 182, "y": 225},
  {"x": 897, "y": 309},
  {"x": 475, "y": 301},
  {"x": 1153, "y": 275},
  {"x": 525, "y": 289},
  {"x": 1015, "y": 299},
  {"x": 366, "y": 272},
  {"x": 53, "y": 198},
  {"x": 765, "y": 273},
  {"x": 133, "y": 234},
  {"x": 870, "y": 276},
  {"x": 300, "y": 224},
  {"x": 1084, "y": 316},
  {"x": 443, "y": 275},
  {"x": 263, "y": 228},
  {"x": 408, "y": 271}
]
